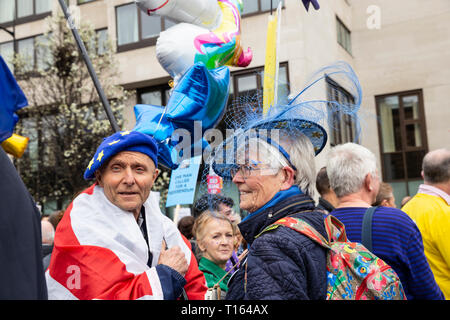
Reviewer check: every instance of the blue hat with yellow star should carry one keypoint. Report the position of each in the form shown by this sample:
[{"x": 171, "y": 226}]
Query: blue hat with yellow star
[{"x": 122, "y": 141}]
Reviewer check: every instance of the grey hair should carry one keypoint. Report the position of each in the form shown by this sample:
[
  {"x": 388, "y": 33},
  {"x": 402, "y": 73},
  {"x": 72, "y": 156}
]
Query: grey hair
[
  {"x": 436, "y": 166},
  {"x": 347, "y": 166},
  {"x": 301, "y": 152}
]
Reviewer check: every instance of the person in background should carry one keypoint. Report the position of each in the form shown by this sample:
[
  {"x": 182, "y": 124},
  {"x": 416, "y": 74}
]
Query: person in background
[
  {"x": 353, "y": 174},
  {"x": 48, "y": 235},
  {"x": 430, "y": 210},
  {"x": 385, "y": 196},
  {"x": 222, "y": 205},
  {"x": 215, "y": 239},
  {"x": 328, "y": 200},
  {"x": 55, "y": 217},
  {"x": 185, "y": 226},
  {"x": 405, "y": 200},
  {"x": 239, "y": 243},
  {"x": 215, "y": 202},
  {"x": 21, "y": 270}
]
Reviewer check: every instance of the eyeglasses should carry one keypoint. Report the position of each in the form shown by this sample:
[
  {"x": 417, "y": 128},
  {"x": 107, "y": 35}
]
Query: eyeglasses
[{"x": 247, "y": 170}]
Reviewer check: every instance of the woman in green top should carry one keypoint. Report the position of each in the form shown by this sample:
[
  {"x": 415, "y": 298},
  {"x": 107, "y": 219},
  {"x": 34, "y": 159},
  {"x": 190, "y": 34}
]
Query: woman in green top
[{"x": 215, "y": 238}]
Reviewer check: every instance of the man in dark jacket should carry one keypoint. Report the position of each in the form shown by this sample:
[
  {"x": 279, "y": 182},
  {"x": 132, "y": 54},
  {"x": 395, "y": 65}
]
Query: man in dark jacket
[
  {"x": 21, "y": 270},
  {"x": 282, "y": 263}
]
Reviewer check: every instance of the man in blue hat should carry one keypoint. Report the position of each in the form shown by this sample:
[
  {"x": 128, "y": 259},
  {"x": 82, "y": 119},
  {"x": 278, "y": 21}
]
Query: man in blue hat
[{"x": 112, "y": 241}]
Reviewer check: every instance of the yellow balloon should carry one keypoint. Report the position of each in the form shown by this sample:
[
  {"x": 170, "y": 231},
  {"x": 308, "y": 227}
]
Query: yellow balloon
[{"x": 15, "y": 145}]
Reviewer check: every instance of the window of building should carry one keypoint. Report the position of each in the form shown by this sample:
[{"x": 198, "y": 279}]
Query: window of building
[
  {"x": 156, "y": 95},
  {"x": 34, "y": 53},
  {"x": 85, "y": 1},
  {"x": 7, "y": 52},
  {"x": 7, "y": 8},
  {"x": 247, "y": 85},
  {"x": 342, "y": 127},
  {"x": 403, "y": 141},
  {"x": 136, "y": 29},
  {"x": 99, "y": 43},
  {"x": 25, "y": 48},
  {"x": 24, "y": 10},
  {"x": 246, "y": 89},
  {"x": 102, "y": 40},
  {"x": 30, "y": 130},
  {"x": 251, "y": 7},
  {"x": 343, "y": 36}
]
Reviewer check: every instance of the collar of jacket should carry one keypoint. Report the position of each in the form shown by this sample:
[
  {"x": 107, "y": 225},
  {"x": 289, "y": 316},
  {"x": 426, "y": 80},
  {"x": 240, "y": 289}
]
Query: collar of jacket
[
  {"x": 254, "y": 225},
  {"x": 325, "y": 205}
]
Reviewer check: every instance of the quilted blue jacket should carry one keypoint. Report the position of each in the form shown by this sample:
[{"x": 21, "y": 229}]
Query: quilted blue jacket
[{"x": 282, "y": 263}]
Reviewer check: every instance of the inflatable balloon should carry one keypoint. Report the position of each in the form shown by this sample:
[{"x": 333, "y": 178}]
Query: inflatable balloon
[
  {"x": 200, "y": 95},
  {"x": 313, "y": 2},
  {"x": 204, "y": 13},
  {"x": 209, "y": 32},
  {"x": 15, "y": 145}
]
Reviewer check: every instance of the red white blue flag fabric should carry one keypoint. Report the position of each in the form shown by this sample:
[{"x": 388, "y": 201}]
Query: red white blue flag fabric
[{"x": 100, "y": 253}]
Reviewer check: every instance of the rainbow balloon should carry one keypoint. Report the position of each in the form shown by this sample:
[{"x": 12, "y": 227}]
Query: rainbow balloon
[
  {"x": 222, "y": 46},
  {"x": 209, "y": 32}
]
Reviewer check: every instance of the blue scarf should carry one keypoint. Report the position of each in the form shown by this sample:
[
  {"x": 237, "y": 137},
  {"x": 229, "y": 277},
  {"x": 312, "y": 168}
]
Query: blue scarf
[{"x": 279, "y": 196}]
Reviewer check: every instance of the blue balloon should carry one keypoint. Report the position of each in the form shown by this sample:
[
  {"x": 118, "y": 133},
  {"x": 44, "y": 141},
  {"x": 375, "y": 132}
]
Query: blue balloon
[{"x": 200, "y": 95}]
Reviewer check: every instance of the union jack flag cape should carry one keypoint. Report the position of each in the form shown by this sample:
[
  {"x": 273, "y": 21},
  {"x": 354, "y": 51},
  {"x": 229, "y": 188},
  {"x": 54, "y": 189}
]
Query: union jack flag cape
[{"x": 100, "y": 253}]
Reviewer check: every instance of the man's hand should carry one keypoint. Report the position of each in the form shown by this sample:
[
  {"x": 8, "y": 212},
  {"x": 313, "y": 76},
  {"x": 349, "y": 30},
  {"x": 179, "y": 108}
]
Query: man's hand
[{"x": 174, "y": 258}]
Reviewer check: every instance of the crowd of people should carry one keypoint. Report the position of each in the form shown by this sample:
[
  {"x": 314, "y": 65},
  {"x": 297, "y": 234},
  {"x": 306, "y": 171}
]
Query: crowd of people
[
  {"x": 288, "y": 266},
  {"x": 113, "y": 242}
]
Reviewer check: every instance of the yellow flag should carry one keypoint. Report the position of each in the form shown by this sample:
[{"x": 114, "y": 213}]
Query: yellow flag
[{"x": 271, "y": 63}]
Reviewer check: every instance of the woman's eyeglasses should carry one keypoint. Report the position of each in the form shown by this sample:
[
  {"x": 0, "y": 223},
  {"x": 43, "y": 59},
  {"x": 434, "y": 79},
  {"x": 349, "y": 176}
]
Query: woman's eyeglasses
[{"x": 247, "y": 170}]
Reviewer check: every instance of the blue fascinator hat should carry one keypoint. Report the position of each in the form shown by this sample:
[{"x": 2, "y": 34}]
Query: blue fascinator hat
[{"x": 302, "y": 114}]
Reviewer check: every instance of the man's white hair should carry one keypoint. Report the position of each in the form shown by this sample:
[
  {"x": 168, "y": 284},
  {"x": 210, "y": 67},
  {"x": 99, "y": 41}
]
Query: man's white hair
[{"x": 347, "y": 166}]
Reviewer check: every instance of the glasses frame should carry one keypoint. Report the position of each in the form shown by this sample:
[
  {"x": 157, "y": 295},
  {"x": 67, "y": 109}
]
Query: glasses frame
[{"x": 247, "y": 170}]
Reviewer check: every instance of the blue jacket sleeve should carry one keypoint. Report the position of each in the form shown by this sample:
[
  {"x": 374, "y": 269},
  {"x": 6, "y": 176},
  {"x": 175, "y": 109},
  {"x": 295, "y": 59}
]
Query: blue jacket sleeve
[
  {"x": 285, "y": 266},
  {"x": 172, "y": 282}
]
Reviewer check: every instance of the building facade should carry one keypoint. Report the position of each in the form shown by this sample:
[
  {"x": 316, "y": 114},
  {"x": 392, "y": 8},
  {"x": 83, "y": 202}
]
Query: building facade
[{"x": 400, "y": 51}]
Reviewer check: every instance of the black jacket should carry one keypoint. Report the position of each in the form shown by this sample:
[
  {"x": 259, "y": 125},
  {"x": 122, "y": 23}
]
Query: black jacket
[
  {"x": 325, "y": 205},
  {"x": 282, "y": 263},
  {"x": 21, "y": 269}
]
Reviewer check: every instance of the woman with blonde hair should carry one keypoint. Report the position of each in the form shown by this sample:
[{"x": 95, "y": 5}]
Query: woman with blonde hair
[{"x": 215, "y": 241}]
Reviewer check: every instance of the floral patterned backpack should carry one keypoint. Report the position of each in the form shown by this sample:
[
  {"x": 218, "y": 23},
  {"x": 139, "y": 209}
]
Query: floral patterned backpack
[{"x": 353, "y": 272}]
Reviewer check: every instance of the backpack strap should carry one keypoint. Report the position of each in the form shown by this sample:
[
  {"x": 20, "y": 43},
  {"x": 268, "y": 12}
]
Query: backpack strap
[
  {"x": 366, "y": 231},
  {"x": 335, "y": 229},
  {"x": 300, "y": 226}
]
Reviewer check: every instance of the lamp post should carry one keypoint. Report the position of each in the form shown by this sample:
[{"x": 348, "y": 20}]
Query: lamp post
[{"x": 90, "y": 68}]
